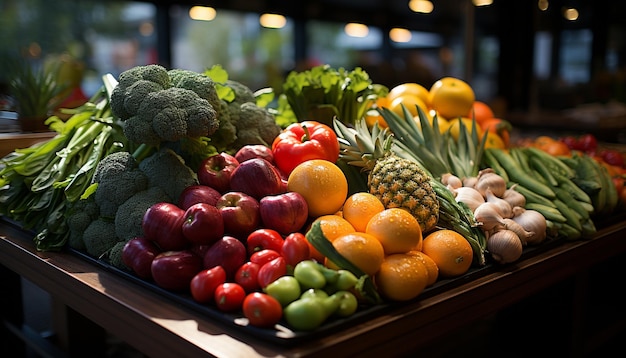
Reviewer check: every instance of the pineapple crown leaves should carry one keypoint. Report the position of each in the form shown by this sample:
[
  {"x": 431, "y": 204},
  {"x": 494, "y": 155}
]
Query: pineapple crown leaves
[{"x": 360, "y": 147}]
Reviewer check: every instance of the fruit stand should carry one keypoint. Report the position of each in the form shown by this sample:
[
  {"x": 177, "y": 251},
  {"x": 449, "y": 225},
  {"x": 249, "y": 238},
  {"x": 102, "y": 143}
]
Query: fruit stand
[{"x": 116, "y": 305}]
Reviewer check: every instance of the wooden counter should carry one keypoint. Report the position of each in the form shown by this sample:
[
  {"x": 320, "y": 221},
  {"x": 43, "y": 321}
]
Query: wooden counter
[{"x": 159, "y": 328}]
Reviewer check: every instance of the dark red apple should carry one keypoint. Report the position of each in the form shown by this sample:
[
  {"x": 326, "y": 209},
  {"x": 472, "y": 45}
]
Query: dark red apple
[
  {"x": 163, "y": 224},
  {"x": 254, "y": 151},
  {"x": 203, "y": 224},
  {"x": 173, "y": 270},
  {"x": 216, "y": 170},
  {"x": 138, "y": 254},
  {"x": 198, "y": 194},
  {"x": 256, "y": 177},
  {"x": 240, "y": 213},
  {"x": 285, "y": 213},
  {"x": 228, "y": 252}
]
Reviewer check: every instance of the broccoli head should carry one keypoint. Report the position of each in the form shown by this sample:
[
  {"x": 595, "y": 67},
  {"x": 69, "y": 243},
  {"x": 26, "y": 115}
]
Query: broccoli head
[
  {"x": 256, "y": 125},
  {"x": 100, "y": 237},
  {"x": 133, "y": 85},
  {"x": 226, "y": 134},
  {"x": 243, "y": 93},
  {"x": 114, "y": 256},
  {"x": 78, "y": 217},
  {"x": 168, "y": 170},
  {"x": 200, "y": 83},
  {"x": 131, "y": 212}
]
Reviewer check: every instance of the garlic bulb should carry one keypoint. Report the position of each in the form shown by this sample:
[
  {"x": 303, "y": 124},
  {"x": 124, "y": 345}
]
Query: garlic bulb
[
  {"x": 505, "y": 246},
  {"x": 513, "y": 197},
  {"x": 451, "y": 181},
  {"x": 531, "y": 221},
  {"x": 470, "y": 196},
  {"x": 488, "y": 179},
  {"x": 503, "y": 206},
  {"x": 523, "y": 235},
  {"x": 470, "y": 181},
  {"x": 489, "y": 216}
]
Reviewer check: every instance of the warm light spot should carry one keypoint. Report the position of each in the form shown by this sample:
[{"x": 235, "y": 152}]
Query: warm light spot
[
  {"x": 34, "y": 50},
  {"x": 422, "y": 6},
  {"x": 356, "y": 30},
  {"x": 570, "y": 14},
  {"x": 146, "y": 29},
  {"x": 482, "y": 2},
  {"x": 400, "y": 35},
  {"x": 543, "y": 5},
  {"x": 273, "y": 21},
  {"x": 203, "y": 13}
]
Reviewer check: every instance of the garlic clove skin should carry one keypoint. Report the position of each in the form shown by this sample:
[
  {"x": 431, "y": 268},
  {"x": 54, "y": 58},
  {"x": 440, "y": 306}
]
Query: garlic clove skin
[
  {"x": 488, "y": 179},
  {"x": 503, "y": 206},
  {"x": 470, "y": 181},
  {"x": 489, "y": 216},
  {"x": 523, "y": 235},
  {"x": 531, "y": 221},
  {"x": 513, "y": 197},
  {"x": 451, "y": 181},
  {"x": 505, "y": 246},
  {"x": 470, "y": 196}
]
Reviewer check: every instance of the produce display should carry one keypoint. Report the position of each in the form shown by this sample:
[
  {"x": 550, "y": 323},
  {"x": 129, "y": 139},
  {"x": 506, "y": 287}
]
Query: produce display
[{"x": 305, "y": 207}]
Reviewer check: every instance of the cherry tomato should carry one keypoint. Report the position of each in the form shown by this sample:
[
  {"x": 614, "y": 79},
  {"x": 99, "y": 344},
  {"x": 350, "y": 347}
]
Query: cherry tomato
[
  {"x": 204, "y": 283},
  {"x": 271, "y": 271},
  {"x": 229, "y": 296},
  {"x": 247, "y": 276},
  {"x": 295, "y": 249},
  {"x": 262, "y": 310},
  {"x": 264, "y": 256},
  {"x": 261, "y": 239}
]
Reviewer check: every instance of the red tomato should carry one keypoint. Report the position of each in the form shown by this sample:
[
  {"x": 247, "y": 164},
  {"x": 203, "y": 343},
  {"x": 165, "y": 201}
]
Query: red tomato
[
  {"x": 264, "y": 256},
  {"x": 204, "y": 283},
  {"x": 247, "y": 276},
  {"x": 229, "y": 296},
  {"x": 612, "y": 157},
  {"x": 261, "y": 239},
  {"x": 295, "y": 249},
  {"x": 587, "y": 143},
  {"x": 271, "y": 271},
  {"x": 262, "y": 310}
]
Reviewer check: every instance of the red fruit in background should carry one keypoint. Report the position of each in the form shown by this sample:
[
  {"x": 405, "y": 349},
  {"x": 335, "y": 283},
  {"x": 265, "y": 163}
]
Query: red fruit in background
[
  {"x": 256, "y": 177},
  {"x": 138, "y": 254},
  {"x": 261, "y": 239},
  {"x": 295, "y": 249},
  {"x": 240, "y": 213},
  {"x": 163, "y": 224},
  {"x": 254, "y": 151},
  {"x": 216, "y": 170},
  {"x": 203, "y": 224},
  {"x": 227, "y": 252},
  {"x": 612, "y": 157},
  {"x": 247, "y": 276},
  {"x": 198, "y": 194},
  {"x": 264, "y": 256},
  {"x": 229, "y": 297},
  {"x": 271, "y": 271},
  {"x": 204, "y": 283},
  {"x": 174, "y": 270},
  {"x": 262, "y": 310},
  {"x": 285, "y": 213}
]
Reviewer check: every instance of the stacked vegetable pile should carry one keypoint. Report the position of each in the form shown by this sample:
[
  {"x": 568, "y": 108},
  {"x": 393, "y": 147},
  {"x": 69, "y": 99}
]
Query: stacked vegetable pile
[{"x": 336, "y": 195}]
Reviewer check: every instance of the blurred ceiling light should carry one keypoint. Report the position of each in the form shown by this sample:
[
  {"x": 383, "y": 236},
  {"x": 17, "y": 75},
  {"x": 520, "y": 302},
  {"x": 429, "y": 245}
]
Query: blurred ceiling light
[
  {"x": 400, "y": 35},
  {"x": 273, "y": 21},
  {"x": 203, "y": 13},
  {"x": 421, "y": 6},
  {"x": 356, "y": 30},
  {"x": 482, "y": 2},
  {"x": 543, "y": 5},
  {"x": 570, "y": 14}
]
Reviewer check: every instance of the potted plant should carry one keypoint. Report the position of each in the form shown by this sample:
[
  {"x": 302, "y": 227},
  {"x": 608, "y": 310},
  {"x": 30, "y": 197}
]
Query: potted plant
[{"x": 37, "y": 93}]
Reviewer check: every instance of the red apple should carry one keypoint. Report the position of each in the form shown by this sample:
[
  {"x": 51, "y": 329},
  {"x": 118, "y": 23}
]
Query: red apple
[
  {"x": 203, "y": 224},
  {"x": 256, "y": 177},
  {"x": 173, "y": 270},
  {"x": 240, "y": 213},
  {"x": 138, "y": 254},
  {"x": 228, "y": 252},
  {"x": 216, "y": 170},
  {"x": 198, "y": 194},
  {"x": 285, "y": 213},
  {"x": 254, "y": 151},
  {"x": 163, "y": 224}
]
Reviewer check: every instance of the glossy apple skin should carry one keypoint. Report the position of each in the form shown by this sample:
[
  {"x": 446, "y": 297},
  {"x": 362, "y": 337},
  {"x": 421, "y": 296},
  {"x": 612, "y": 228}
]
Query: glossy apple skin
[
  {"x": 174, "y": 270},
  {"x": 258, "y": 178},
  {"x": 216, "y": 171},
  {"x": 203, "y": 224},
  {"x": 198, "y": 194},
  {"x": 285, "y": 213},
  {"x": 228, "y": 252},
  {"x": 163, "y": 224},
  {"x": 240, "y": 213},
  {"x": 138, "y": 254},
  {"x": 254, "y": 151}
]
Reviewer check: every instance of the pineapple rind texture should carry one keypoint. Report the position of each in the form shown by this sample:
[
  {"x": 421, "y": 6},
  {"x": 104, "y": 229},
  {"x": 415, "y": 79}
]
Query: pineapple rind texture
[{"x": 400, "y": 183}]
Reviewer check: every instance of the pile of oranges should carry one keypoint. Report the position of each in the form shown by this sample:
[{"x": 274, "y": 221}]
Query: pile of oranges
[
  {"x": 454, "y": 103},
  {"x": 386, "y": 244}
]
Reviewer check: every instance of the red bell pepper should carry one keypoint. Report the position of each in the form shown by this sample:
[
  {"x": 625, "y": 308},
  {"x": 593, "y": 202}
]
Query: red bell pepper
[
  {"x": 304, "y": 141},
  {"x": 261, "y": 239}
]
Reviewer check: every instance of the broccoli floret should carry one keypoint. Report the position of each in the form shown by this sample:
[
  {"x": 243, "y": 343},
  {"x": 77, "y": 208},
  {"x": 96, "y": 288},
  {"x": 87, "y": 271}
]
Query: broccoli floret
[
  {"x": 133, "y": 86},
  {"x": 114, "y": 256},
  {"x": 243, "y": 93},
  {"x": 168, "y": 170},
  {"x": 131, "y": 212},
  {"x": 81, "y": 213},
  {"x": 100, "y": 237},
  {"x": 198, "y": 82},
  {"x": 226, "y": 134},
  {"x": 256, "y": 125},
  {"x": 118, "y": 177}
]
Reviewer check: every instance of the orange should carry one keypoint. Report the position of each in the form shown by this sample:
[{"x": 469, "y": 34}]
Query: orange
[
  {"x": 431, "y": 266},
  {"x": 452, "y": 97},
  {"x": 411, "y": 88},
  {"x": 359, "y": 209},
  {"x": 410, "y": 102},
  {"x": 396, "y": 229},
  {"x": 372, "y": 115},
  {"x": 450, "y": 250},
  {"x": 454, "y": 126},
  {"x": 334, "y": 226},
  {"x": 363, "y": 250},
  {"x": 401, "y": 277},
  {"x": 494, "y": 141},
  {"x": 322, "y": 184},
  {"x": 480, "y": 111}
]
